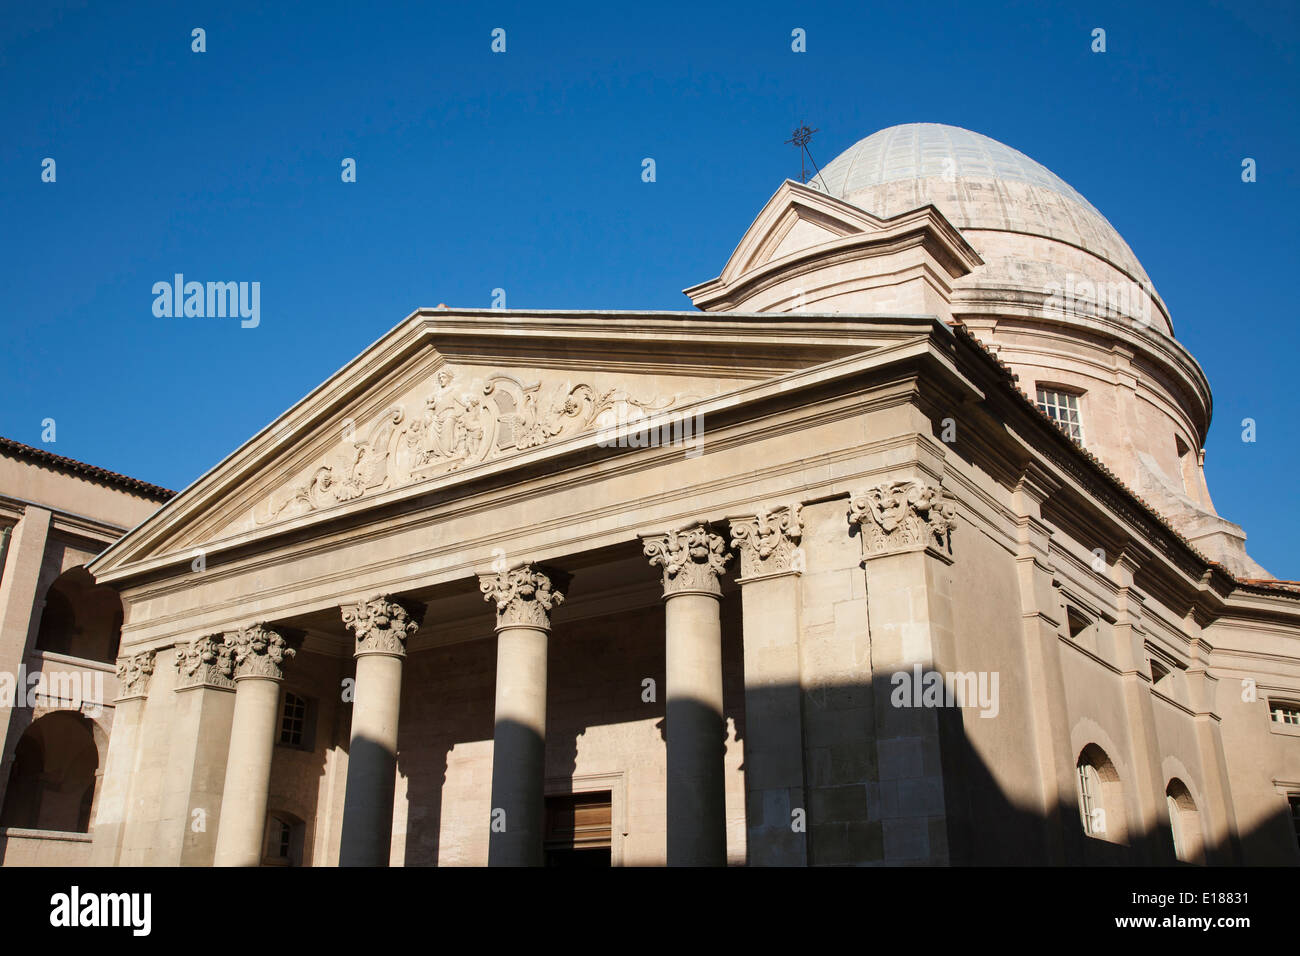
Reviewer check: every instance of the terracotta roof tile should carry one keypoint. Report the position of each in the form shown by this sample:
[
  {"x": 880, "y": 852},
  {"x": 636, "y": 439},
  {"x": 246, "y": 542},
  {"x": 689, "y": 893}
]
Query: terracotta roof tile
[{"x": 43, "y": 457}]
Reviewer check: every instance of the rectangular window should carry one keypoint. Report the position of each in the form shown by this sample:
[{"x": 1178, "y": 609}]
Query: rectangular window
[
  {"x": 1295, "y": 814},
  {"x": 1063, "y": 408},
  {"x": 293, "y": 720},
  {"x": 1283, "y": 712}
]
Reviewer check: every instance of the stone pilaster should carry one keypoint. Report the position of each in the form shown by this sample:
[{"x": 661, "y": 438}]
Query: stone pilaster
[
  {"x": 134, "y": 674},
  {"x": 381, "y": 627},
  {"x": 260, "y": 654},
  {"x": 693, "y": 560},
  {"x": 524, "y": 597},
  {"x": 771, "y": 562},
  {"x": 1150, "y": 834},
  {"x": 906, "y": 532},
  {"x": 1041, "y": 617},
  {"x": 198, "y": 747}
]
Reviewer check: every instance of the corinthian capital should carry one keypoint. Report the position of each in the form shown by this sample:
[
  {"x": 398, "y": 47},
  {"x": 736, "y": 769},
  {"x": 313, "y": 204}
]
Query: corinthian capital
[
  {"x": 259, "y": 651},
  {"x": 133, "y": 674},
  {"x": 769, "y": 541},
  {"x": 525, "y": 595},
  {"x": 383, "y": 624},
  {"x": 898, "y": 515},
  {"x": 693, "y": 559},
  {"x": 205, "y": 661}
]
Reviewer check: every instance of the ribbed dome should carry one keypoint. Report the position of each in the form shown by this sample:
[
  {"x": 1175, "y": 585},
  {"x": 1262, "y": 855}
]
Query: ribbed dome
[{"x": 977, "y": 182}]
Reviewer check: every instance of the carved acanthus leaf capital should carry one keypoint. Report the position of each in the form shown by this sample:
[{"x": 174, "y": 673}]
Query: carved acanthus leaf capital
[
  {"x": 383, "y": 624},
  {"x": 525, "y": 595},
  {"x": 693, "y": 559},
  {"x": 897, "y": 515},
  {"x": 207, "y": 660},
  {"x": 769, "y": 541},
  {"x": 134, "y": 673},
  {"x": 259, "y": 651}
]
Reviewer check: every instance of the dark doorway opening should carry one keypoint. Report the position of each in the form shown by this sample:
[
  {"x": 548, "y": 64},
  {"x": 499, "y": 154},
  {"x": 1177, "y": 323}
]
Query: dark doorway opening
[{"x": 579, "y": 829}]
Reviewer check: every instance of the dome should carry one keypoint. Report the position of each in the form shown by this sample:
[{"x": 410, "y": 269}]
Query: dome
[{"x": 985, "y": 187}]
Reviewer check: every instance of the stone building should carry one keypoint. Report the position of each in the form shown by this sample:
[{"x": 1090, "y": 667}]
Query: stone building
[
  {"x": 58, "y": 643},
  {"x": 898, "y": 549}
]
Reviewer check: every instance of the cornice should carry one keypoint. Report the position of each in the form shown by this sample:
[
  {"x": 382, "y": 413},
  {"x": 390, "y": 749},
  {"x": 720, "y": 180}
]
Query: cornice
[{"x": 840, "y": 374}]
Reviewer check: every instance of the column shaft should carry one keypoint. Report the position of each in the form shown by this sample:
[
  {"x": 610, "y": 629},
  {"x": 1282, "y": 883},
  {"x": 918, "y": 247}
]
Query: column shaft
[
  {"x": 519, "y": 748},
  {"x": 372, "y": 763},
  {"x": 697, "y": 825},
  {"x": 248, "y": 773}
]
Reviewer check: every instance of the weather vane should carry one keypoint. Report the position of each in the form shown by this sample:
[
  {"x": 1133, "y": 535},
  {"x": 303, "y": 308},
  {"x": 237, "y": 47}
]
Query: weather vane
[{"x": 800, "y": 138}]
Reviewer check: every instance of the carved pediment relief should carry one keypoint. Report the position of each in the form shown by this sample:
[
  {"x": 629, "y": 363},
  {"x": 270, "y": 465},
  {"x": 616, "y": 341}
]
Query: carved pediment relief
[{"x": 463, "y": 418}]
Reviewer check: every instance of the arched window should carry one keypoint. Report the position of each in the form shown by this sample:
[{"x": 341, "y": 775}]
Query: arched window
[
  {"x": 1184, "y": 822},
  {"x": 81, "y": 618},
  {"x": 1091, "y": 806},
  {"x": 1101, "y": 798},
  {"x": 284, "y": 839}
]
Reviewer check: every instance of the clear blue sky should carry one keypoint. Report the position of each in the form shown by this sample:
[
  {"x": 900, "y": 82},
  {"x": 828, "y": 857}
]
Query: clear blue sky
[{"x": 522, "y": 171}]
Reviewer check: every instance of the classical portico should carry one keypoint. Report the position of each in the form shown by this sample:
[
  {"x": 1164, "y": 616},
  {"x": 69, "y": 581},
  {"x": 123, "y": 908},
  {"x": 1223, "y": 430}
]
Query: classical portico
[{"x": 753, "y": 584}]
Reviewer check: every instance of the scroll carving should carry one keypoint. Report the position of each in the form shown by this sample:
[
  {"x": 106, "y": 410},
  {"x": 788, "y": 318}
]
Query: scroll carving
[
  {"x": 693, "y": 559},
  {"x": 898, "y": 515},
  {"x": 259, "y": 651},
  {"x": 769, "y": 541},
  {"x": 382, "y": 624},
  {"x": 134, "y": 674},
  {"x": 205, "y": 661},
  {"x": 459, "y": 425},
  {"x": 525, "y": 595}
]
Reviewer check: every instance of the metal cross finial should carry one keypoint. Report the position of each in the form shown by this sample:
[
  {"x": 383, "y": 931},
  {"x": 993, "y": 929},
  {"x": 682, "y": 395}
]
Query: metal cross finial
[{"x": 800, "y": 138}]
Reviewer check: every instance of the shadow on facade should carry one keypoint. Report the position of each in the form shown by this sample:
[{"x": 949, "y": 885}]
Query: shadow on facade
[{"x": 877, "y": 784}]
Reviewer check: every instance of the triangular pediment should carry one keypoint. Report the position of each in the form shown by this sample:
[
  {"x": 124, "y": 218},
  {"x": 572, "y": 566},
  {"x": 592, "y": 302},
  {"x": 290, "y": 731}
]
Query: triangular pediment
[
  {"x": 799, "y": 222},
  {"x": 446, "y": 395}
]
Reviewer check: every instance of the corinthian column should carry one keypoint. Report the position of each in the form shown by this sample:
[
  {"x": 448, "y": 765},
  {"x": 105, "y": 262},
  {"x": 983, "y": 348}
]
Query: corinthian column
[
  {"x": 692, "y": 561},
  {"x": 524, "y": 598},
  {"x": 381, "y": 626},
  {"x": 260, "y": 654}
]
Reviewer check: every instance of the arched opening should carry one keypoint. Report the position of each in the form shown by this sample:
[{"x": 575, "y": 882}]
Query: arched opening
[
  {"x": 285, "y": 835},
  {"x": 1101, "y": 797},
  {"x": 81, "y": 618},
  {"x": 52, "y": 781},
  {"x": 1184, "y": 822}
]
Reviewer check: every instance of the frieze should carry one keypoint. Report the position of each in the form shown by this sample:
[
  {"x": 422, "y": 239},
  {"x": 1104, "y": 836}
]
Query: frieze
[{"x": 461, "y": 424}]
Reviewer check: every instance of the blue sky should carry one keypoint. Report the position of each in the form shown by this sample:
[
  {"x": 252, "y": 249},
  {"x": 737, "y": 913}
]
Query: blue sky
[{"x": 523, "y": 171}]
